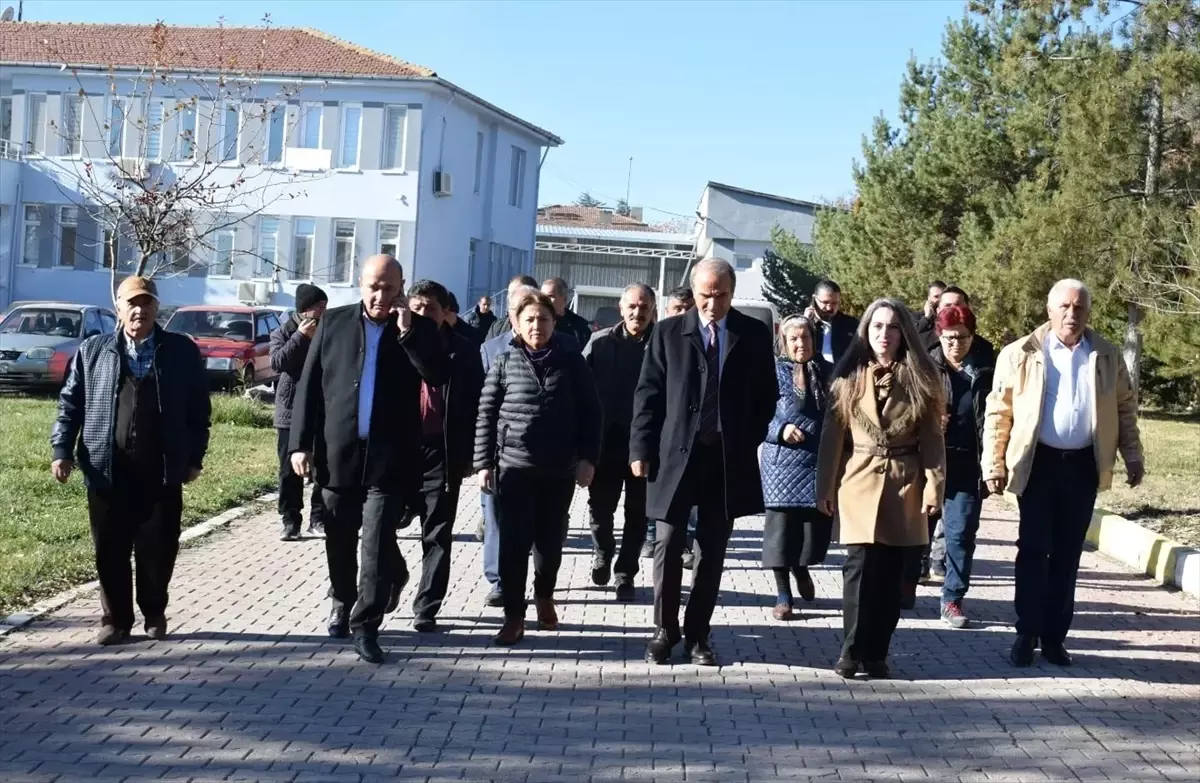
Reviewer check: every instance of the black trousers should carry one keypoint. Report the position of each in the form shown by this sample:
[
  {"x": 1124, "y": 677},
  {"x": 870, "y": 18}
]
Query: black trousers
[
  {"x": 871, "y": 592},
  {"x": 613, "y": 475},
  {"x": 702, "y": 486},
  {"x": 437, "y": 532},
  {"x": 291, "y": 487},
  {"x": 143, "y": 520},
  {"x": 1056, "y": 509},
  {"x": 530, "y": 511},
  {"x": 363, "y": 582}
]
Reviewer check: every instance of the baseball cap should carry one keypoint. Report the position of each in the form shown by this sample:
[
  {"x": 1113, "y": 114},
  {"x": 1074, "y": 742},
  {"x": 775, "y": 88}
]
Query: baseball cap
[{"x": 132, "y": 287}]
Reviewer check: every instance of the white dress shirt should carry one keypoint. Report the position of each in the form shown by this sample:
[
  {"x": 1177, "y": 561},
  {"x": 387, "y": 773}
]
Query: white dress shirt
[
  {"x": 373, "y": 333},
  {"x": 1068, "y": 399}
]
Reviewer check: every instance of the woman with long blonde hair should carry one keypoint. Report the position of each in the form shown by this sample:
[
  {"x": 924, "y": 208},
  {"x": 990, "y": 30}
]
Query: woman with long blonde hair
[{"x": 881, "y": 467}]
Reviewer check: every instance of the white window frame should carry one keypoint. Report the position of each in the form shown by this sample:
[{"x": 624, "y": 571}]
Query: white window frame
[
  {"x": 379, "y": 238},
  {"x": 32, "y": 134},
  {"x": 273, "y": 111},
  {"x": 183, "y": 142},
  {"x": 349, "y": 275},
  {"x": 264, "y": 268},
  {"x": 113, "y": 104},
  {"x": 518, "y": 161},
  {"x": 72, "y": 145},
  {"x": 222, "y": 139},
  {"x": 306, "y": 111},
  {"x": 229, "y": 232},
  {"x": 26, "y": 224},
  {"x": 343, "y": 109},
  {"x": 150, "y": 130},
  {"x": 59, "y": 245},
  {"x": 480, "y": 141},
  {"x": 312, "y": 251},
  {"x": 401, "y": 163}
]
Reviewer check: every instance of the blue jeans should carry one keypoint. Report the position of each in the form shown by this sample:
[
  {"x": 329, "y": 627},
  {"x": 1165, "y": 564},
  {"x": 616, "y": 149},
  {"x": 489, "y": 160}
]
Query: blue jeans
[
  {"x": 960, "y": 524},
  {"x": 491, "y": 540}
]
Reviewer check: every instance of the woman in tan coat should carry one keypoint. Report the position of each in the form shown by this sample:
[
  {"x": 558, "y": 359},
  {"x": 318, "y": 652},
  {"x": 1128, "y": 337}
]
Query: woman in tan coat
[{"x": 881, "y": 467}]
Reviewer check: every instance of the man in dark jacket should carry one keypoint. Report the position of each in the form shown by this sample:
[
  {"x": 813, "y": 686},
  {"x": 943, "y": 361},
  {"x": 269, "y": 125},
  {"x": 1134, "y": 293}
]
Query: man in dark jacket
[
  {"x": 568, "y": 322},
  {"x": 982, "y": 350},
  {"x": 835, "y": 329},
  {"x": 356, "y": 427},
  {"x": 135, "y": 407},
  {"x": 459, "y": 325},
  {"x": 706, "y": 394},
  {"x": 448, "y": 415},
  {"x": 615, "y": 357},
  {"x": 481, "y": 315},
  {"x": 289, "y": 348}
]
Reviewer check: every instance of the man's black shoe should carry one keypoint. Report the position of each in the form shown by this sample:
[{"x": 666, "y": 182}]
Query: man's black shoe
[
  {"x": 368, "y": 648},
  {"x": 700, "y": 653},
  {"x": 425, "y": 625},
  {"x": 290, "y": 532},
  {"x": 494, "y": 598},
  {"x": 394, "y": 596},
  {"x": 338, "y": 624},
  {"x": 1056, "y": 654},
  {"x": 601, "y": 569},
  {"x": 877, "y": 670},
  {"x": 659, "y": 649},
  {"x": 625, "y": 591},
  {"x": 1021, "y": 654},
  {"x": 316, "y": 528}
]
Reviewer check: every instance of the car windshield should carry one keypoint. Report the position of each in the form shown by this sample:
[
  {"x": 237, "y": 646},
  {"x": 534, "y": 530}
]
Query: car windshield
[
  {"x": 41, "y": 320},
  {"x": 222, "y": 324}
]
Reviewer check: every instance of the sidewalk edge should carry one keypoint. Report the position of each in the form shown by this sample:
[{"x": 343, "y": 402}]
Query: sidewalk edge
[
  {"x": 1168, "y": 562},
  {"x": 22, "y": 618}
]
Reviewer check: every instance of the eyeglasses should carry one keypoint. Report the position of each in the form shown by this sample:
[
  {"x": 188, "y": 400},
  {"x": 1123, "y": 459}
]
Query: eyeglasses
[{"x": 955, "y": 338}]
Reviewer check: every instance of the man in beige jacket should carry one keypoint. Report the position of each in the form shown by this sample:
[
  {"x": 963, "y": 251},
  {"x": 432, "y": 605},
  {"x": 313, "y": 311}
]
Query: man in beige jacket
[{"x": 1061, "y": 407}]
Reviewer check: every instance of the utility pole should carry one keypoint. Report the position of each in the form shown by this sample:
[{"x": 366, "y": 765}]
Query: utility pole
[{"x": 628, "y": 179}]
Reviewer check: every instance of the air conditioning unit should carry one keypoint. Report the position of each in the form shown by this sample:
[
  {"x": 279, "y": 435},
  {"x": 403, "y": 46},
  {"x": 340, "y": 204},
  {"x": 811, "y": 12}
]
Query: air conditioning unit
[
  {"x": 133, "y": 168},
  {"x": 245, "y": 293},
  {"x": 262, "y": 292},
  {"x": 441, "y": 183}
]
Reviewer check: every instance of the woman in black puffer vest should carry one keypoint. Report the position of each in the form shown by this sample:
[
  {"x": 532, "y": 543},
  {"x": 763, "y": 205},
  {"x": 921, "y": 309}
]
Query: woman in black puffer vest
[{"x": 538, "y": 431}]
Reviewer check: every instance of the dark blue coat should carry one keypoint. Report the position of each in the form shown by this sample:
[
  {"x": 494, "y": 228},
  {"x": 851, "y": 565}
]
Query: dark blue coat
[{"x": 789, "y": 473}]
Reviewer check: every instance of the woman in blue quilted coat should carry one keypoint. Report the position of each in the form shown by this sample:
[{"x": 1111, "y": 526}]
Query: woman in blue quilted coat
[{"x": 796, "y": 534}]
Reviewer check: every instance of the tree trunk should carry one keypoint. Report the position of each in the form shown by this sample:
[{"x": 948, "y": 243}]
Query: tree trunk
[{"x": 1132, "y": 349}]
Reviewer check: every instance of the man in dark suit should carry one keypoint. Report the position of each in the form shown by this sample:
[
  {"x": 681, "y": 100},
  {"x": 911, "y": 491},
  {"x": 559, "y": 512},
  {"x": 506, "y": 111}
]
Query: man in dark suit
[
  {"x": 835, "y": 329},
  {"x": 704, "y": 399},
  {"x": 481, "y": 315},
  {"x": 982, "y": 350},
  {"x": 356, "y": 425},
  {"x": 502, "y": 326},
  {"x": 448, "y": 415},
  {"x": 566, "y": 320}
]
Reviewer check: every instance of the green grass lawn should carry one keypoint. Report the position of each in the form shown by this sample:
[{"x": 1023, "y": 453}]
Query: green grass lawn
[
  {"x": 45, "y": 544},
  {"x": 1168, "y": 501}
]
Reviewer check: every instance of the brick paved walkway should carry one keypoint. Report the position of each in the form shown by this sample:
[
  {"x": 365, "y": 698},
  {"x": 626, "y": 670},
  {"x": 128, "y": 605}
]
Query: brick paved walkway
[{"x": 249, "y": 688}]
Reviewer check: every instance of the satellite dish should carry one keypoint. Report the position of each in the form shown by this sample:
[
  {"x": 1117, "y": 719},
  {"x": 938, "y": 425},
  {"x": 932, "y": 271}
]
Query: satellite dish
[{"x": 7, "y": 16}]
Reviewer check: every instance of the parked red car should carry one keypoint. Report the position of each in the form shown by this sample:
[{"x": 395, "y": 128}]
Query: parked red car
[{"x": 235, "y": 341}]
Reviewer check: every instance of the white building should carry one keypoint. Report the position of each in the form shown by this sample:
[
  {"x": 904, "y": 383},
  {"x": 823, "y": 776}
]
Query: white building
[{"x": 346, "y": 152}]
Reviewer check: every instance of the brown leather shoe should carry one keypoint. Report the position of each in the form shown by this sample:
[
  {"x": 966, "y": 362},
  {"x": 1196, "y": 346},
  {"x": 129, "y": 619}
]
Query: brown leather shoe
[
  {"x": 547, "y": 617},
  {"x": 511, "y": 632},
  {"x": 783, "y": 612}
]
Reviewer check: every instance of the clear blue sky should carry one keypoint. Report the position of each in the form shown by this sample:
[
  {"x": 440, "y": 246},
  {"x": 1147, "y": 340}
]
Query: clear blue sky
[{"x": 771, "y": 96}]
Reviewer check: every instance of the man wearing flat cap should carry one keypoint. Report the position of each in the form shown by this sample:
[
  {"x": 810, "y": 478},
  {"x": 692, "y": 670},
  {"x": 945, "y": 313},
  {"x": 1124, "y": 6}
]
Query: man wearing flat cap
[{"x": 135, "y": 409}]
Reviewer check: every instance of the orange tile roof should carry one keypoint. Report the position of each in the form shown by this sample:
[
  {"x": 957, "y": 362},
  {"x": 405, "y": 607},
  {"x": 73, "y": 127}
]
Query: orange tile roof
[
  {"x": 592, "y": 217},
  {"x": 281, "y": 50}
]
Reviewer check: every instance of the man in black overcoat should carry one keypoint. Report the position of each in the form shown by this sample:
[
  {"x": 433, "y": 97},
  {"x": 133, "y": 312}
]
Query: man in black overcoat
[
  {"x": 356, "y": 425},
  {"x": 705, "y": 396}
]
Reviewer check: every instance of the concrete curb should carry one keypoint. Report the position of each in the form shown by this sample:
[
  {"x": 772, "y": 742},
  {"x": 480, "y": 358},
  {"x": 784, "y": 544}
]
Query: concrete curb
[
  {"x": 27, "y": 616},
  {"x": 1167, "y": 562}
]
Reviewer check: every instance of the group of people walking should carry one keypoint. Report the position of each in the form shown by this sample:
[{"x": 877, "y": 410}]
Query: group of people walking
[{"x": 884, "y": 433}]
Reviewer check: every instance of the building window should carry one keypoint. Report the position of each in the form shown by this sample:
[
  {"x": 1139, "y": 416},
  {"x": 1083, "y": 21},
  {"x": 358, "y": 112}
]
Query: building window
[
  {"x": 187, "y": 134},
  {"x": 343, "y": 251},
  {"x": 516, "y": 179},
  {"x": 478, "y": 161},
  {"x": 222, "y": 263},
  {"x": 304, "y": 234},
  {"x": 68, "y": 225},
  {"x": 110, "y": 252},
  {"x": 72, "y": 139},
  {"x": 154, "y": 128},
  {"x": 351, "y": 124},
  {"x": 116, "y": 126},
  {"x": 395, "y": 129},
  {"x": 268, "y": 248},
  {"x": 35, "y": 136},
  {"x": 275, "y": 123},
  {"x": 31, "y": 254},
  {"x": 181, "y": 259},
  {"x": 308, "y": 126},
  {"x": 230, "y": 116},
  {"x": 6, "y": 111},
  {"x": 389, "y": 239}
]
